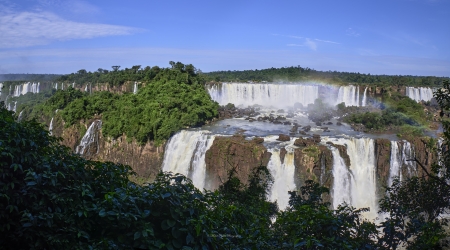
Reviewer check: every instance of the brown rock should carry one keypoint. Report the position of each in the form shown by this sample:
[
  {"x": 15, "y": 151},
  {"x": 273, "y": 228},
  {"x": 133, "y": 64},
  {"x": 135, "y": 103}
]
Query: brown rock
[{"x": 282, "y": 137}]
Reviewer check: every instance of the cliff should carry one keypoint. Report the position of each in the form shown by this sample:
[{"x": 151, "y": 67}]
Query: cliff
[{"x": 233, "y": 153}]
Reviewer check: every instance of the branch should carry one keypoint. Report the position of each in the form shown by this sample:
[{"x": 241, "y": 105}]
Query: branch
[{"x": 428, "y": 173}]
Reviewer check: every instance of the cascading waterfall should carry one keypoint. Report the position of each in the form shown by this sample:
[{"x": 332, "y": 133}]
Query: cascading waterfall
[
  {"x": 343, "y": 180},
  {"x": 86, "y": 88},
  {"x": 364, "y": 100},
  {"x": 50, "y": 127},
  {"x": 25, "y": 88},
  {"x": 135, "y": 89},
  {"x": 89, "y": 139},
  {"x": 349, "y": 95},
  {"x": 419, "y": 94},
  {"x": 15, "y": 107},
  {"x": 362, "y": 168},
  {"x": 1, "y": 87},
  {"x": 20, "y": 116},
  {"x": 73, "y": 85},
  {"x": 283, "y": 175},
  {"x": 408, "y": 156},
  {"x": 277, "y": 95},
  {"x": 395, "y": 163},
  {"x": 56, "y": 86},
  {"x": 185, "y": 154}
]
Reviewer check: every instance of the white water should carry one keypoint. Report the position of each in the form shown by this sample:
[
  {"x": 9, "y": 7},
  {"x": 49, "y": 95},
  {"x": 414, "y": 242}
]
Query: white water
[
  {"x": 364, "y": 100},
  {"x": 135, "y": 89},
  {"x": 276, "y": 95},
  {"x": 419, "y": 94},
  {"x": 56, "y": 86},
  {"x": 25, "y": 88},
  {"x": 50, "y": 127},
  {"x": 395, "y": 163},
  {"x": 362, "y": 176},
  {"x": 408, "y": 156},
  {"x": 1, "y": 87},
  {"x": 349, "y": 95},
  {"x": 341, "y": 191},
  {"x": 20, "y": 116},
  {"x": 283, "y": 175},
  {"x": 90, "y": 138},
  {"x": 185, "y": 154}
]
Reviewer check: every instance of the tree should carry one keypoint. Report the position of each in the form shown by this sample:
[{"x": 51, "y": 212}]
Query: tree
[{"x": 115, "y": 68}]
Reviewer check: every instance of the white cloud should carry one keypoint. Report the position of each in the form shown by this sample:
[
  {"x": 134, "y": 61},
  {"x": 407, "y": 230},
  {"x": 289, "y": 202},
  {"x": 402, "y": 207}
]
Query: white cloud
[
  {"x": 352, "y": 32},
  {"x": 325, "y": 41},
  {"x": 311, "y": 44},
  {"x": 23, "y": 29}
]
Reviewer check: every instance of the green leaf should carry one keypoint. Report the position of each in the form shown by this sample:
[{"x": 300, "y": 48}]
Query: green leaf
[
  {"x": 137, "y": 235},
  {"x": 102, "y": 213}
]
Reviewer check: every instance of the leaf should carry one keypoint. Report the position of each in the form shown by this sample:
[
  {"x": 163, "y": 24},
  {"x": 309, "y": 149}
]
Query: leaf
[
  {"x": 102, "y": 213},
  {"x": 166, "y": 224},
  {"x": 31, "y": 183},
  {"x": 137, "y": 235},
  {"x": 28, "y": 224}
]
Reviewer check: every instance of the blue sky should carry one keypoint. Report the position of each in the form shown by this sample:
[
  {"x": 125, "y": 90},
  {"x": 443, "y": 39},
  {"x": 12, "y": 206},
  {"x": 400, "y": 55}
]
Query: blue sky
[{"x": 395, "y": 37}]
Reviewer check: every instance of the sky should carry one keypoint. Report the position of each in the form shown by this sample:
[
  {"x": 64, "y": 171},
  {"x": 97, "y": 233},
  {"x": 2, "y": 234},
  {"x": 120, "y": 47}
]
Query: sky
[{"x": 392, "y": 37}]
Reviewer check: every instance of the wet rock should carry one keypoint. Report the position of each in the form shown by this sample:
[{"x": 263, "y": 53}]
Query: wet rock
[
  {"x": 307, "y": 128},
  {"x": 303, "y": 132},
  {"x": 329, "y": 123},
  {"x": 258, "y": 140},
  {"x": 338, "y": 123},
  {"x": 316, "y": 138},
  {"x": 303, "y": 142},
  {"x": 287, "y": 123},
  {"x": 283, "y": 152},
  {"x": 318, "y": 124},
  {"x": 282, "y": 137}
]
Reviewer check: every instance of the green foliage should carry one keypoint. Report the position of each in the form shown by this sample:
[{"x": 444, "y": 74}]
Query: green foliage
[
  {"x": 53, "y": 199},
  {"x": 402, "y": 114},
  {"x": 172, "y": 99},
  {"x": 308, "y": 223}
]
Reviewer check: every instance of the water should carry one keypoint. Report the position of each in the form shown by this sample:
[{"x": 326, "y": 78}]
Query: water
[
  {"x": 185, "y": 154},
  {"x": 363, "y": 176},
  {"x": 50, "y": 127},
  {"x": 343, "y": 180},
  {"x": 25, "y": 88},
  {"x": 135, "y": 89},
  {"x": 364, "y": 100},
  {"x": 275, "y": 95},
  {"x": 90, "y": 139},
  {"x": 419, "y": 94},
  {"x": 349, "y": 95},
  {"x": 395, "y": 163},
  {"x": 283, "y": 176}
]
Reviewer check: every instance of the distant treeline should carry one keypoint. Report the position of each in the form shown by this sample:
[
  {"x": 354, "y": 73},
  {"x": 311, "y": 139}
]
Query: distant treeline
[
  {"x": 116, "y": 76},
  {"x": 306, "y": 74},
  {"x": 28, "y": 77}
]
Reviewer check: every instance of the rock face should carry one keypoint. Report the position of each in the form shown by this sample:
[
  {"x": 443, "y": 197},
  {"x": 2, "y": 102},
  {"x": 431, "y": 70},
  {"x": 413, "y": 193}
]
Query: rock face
[
  {"x": 383, "y": 158},
  {"x": 313, "y": 162},
  {"x": 146, "y": 160},
  {"x": 423, "y": 154},
  {"x": 233, "y": 153}
]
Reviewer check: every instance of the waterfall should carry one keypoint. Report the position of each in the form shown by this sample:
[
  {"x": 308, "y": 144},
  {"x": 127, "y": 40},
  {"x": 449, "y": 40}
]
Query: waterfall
[
  {"x": 135, "y": 89},
  {"x": 283, "y": 175},
  {"x": 419, "y": 94},
  {"x": 185, "y": 154},
  {"x": 50, "y": 127},
  {"x": 269, "y": 94},
  {"x": 86, "y": 88},
  {"x": 395, "y": 163},
  {"x": 362, "y": 168},
  {"x": 73, "y": 85},
  {"x": 56, "y": 86},
  {"x": 349, "y": 95},
  {"x": 15, "y": 107},
  {"x": 90, "y": 139},
  {"x": 364, "y": 100},
  {"x": 20, "y": 116},
  {"x": 408, "y": 155},
  {"x": 1, "y": 87},
  {"x": 343, "y": 180},
  {"x": 25, "y": 88}
]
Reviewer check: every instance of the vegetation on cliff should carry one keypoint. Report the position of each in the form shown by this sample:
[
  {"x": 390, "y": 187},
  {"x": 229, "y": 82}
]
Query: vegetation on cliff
[
  {"x": 174, "y": 98},
  {"x": 307, "y": 74}
]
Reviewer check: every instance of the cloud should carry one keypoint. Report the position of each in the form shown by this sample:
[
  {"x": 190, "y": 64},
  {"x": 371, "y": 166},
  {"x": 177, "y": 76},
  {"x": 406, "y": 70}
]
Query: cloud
[
  {"x": 325, "y": 41},
  {"x": 311, "y": 44},
  {"x": 295, "y": 45},
  {"x": 24, "y": 29},
  {"x": 352, "y": 32}
]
